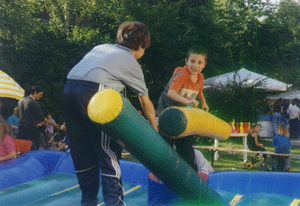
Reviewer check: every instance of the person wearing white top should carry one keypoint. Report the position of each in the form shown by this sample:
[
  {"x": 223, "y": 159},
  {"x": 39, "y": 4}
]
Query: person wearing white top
[
  {"x": 294, "y": 112},
  {"x": 202, "y": 163}
]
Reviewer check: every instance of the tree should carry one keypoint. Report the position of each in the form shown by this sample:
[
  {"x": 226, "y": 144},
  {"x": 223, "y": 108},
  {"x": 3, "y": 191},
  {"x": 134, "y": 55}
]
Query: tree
[
  {"x": 18, "y": 21},
  {"x": 42, "y": 40},
  {"x": 240, "y": 20},
  {"x": 281, "y": 33}
]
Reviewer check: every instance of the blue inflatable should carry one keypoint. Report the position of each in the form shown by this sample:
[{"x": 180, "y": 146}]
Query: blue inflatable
[{"x": 48, "y": 178}]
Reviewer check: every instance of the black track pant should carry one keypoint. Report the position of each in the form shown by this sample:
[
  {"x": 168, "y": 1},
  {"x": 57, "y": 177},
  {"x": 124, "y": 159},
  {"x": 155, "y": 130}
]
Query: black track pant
[{"x": 90, "y": 147}]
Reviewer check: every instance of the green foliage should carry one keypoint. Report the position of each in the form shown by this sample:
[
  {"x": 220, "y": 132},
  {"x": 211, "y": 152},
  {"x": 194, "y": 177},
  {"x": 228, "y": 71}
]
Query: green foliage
[
  {"x": 279, "y": 41},
  {"x": 18, "y": 22},
  {"x": 199, "y": 140},
  {"x": 42, "y": 40},
  {"x": 236, "y": 100}
]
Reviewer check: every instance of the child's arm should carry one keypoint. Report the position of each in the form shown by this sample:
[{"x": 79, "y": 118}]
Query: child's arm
[
  {"x": 62, "y": 146},
  {"x": 57, "y": 126},
  {"x": 203, "y": 102},
  {"x": 149, "y": 110},
  {"x": 9, "y": 156},
  {"x": 172, "y": 94},
  {"x": 256, "y": 140}
]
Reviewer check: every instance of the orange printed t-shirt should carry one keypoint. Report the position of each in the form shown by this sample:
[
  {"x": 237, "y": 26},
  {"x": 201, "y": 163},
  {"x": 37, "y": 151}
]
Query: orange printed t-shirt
[{"x": 184, "y": 85}]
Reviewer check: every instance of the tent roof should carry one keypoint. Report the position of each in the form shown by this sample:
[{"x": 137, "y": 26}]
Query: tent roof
[
  {"x": 286, "y": 95},
  {"x": 251, "y": 77},
  {"x": 10, "y": 88}
]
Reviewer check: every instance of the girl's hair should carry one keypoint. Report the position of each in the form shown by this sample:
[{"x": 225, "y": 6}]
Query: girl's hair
[
  {"x": 252, "y": 127},
  {"x": 283, "y": 130},
  {"x": 133, "y": 34},
  {"x": 5, "y": 129}
]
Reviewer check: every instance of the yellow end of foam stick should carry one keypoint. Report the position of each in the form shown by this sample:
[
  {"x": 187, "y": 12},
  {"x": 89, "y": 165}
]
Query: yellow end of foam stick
[
  {"x": 105, "y": 106},
  {"x": 203, "y": 123}
]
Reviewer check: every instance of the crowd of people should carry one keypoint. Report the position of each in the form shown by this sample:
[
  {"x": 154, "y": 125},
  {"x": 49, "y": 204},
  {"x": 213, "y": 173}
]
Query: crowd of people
[
  {"x": 22, "y": 133},
  {"x": 286, "y": 112}
]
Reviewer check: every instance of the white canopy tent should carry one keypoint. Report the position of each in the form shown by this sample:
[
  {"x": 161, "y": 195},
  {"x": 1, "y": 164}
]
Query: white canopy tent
[
  {"x": 286, "y": 95},
  {"x": 249, "y": 78}
]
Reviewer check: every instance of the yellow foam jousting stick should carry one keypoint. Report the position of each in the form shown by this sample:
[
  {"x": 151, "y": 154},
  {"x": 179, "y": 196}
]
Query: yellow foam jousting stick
[{"x": 176, "y": 122}]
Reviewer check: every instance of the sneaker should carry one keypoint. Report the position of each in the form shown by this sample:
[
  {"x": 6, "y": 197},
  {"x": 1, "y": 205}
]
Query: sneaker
[{"x": 203, "y": 175}]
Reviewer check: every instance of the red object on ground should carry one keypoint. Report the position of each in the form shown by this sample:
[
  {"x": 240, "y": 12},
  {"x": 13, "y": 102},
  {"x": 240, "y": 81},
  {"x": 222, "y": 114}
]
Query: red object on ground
[{"x": 22, "y": 146}]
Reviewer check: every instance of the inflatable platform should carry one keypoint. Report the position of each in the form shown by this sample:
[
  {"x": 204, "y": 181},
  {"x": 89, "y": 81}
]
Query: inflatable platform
[{"x": 48, "y": 178}]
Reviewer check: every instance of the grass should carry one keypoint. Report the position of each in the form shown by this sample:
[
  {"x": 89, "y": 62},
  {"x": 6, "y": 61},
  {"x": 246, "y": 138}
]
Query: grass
[{"x": 228, "y": 161}]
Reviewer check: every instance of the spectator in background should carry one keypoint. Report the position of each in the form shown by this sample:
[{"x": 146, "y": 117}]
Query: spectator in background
[
  {"x": 276, "y": 117},
  {"x": 268, "y": 107},
  {"x": 297, "y": 102},
  {"x": 13, "y": 121},
  {"x": 7, "y": 146},
  {"x": 282, "y": 144},
  {"x": 253, "y": 140},
  {"x": 43, "y": 138},
  {"x": 294, "y": 113},
  {"x": 284, "y": 108},
  {"x": 63, "y": 145},
  {"x": 290, "y": 104},
  {"x": 49, "y": 129},
  {"x": 30, "y": 114}
]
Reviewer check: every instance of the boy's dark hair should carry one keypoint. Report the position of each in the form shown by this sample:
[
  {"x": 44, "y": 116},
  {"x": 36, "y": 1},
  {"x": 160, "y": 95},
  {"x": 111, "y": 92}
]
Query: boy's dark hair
[
  {"x": 133, "y": 34},
  {"x": 197, "y": 50},
  {"x": 36, "y": 89}
]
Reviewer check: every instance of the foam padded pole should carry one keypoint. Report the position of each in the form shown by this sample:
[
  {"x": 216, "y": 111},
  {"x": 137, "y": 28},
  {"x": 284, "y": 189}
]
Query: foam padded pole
[
  {"x": 177, "y": 122},
  {"x": 114, "y": 115}
]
